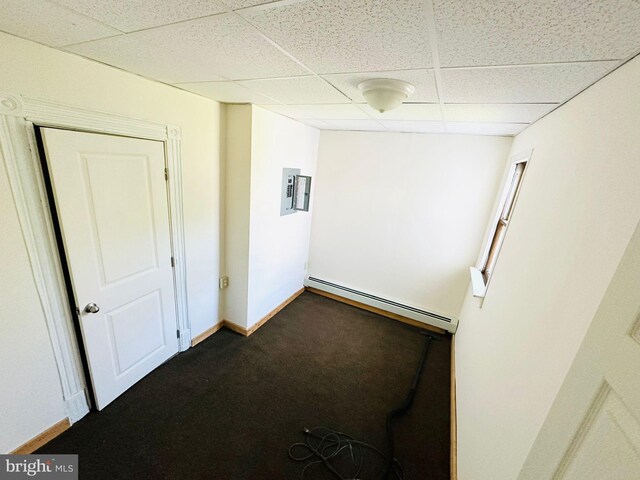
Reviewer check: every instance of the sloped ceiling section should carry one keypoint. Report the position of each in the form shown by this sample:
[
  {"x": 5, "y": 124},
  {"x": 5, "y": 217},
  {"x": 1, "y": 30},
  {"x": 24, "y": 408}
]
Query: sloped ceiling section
[{"x": 479, "y": 66}]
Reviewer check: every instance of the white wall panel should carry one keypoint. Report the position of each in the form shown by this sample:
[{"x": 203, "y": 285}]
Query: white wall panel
[
  {"x": 401, "y": 216},
  {"x": 578, "y": 207}
]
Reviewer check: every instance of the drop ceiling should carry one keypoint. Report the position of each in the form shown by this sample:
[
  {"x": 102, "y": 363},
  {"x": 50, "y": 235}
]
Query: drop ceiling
[{"x": 479, "y": 66}]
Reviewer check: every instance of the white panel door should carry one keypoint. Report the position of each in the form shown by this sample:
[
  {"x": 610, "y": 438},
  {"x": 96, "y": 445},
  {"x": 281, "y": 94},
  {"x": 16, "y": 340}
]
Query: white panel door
[
  {"x": 592, "y": 431},
  {"x": 111, "y": 198}
]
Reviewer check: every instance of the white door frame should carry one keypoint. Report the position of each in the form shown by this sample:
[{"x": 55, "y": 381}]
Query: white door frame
[{"x": 19, "y": 152}]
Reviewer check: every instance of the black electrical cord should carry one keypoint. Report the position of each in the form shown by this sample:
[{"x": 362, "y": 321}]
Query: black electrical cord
[
  {"x": 332, "y": 448},
  {"x": 406, "y": 405}
]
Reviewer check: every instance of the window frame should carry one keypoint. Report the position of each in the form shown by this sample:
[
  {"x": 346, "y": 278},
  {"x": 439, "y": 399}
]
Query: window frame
[{"x": 491, "y": 246}]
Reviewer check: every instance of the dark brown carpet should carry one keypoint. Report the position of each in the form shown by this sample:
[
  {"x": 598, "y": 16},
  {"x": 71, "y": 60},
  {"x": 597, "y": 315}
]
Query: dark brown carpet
[{"x": 229, "y": 408}]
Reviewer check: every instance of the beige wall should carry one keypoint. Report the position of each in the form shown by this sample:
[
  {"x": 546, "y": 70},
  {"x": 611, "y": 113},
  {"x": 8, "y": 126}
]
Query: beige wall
[
  {"x": 30, "y": 395},
  {"x": 402, "y": 215},
  {"x": 237, "y": 163},
  {"x": 279, "y": 245},
  {"x": 31, "y": 399},
  {"x": 577, "y": 210},
  {"x": 265, "y": 253}
]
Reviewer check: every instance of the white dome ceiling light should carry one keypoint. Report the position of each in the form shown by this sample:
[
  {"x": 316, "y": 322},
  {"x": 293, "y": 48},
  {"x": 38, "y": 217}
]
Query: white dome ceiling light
[{"x": 385, "y": 94}]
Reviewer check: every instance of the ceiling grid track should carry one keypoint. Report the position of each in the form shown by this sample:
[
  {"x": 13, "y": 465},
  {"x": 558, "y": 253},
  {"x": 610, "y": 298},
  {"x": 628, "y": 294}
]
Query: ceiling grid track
[
  {"x": 435, "y": 57},
  {"x": 285, "y": 52},
  {"x": 479, "y": 68}
]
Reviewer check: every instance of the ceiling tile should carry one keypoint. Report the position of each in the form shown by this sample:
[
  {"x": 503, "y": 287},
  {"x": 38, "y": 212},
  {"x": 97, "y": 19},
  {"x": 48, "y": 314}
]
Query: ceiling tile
[
  {"x": 477, "y": 128},
  {"x": 526, "y": 84},
  {"x": 408, "y": 111},
  {"x": 151, "y": 60},
  {"x": 334, "y": 36},
  {"x": 509, "y": 32},
  {"x": 357, "y": 125},
  {"x": 51, "y": 24},
  {"x": 413, "y": 127},
  {"x": 518, "y": 113},
  {"x": 423, "y": 80},
  {"x": 297, "y": 90},
  {"x": 320, "y": 112},
  {"x": 211, "y": 48},
  {"x": 228, "y": 92},
  {"x": 131, "y": 15}
]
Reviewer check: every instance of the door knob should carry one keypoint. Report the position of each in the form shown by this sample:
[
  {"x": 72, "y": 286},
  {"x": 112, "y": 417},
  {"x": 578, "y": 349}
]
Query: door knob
[{"x": 92, "y": 308}]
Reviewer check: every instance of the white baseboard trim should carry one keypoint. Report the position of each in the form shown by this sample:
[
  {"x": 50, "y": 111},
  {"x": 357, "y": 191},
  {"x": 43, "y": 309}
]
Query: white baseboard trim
[{"x": 445, "y": 322}]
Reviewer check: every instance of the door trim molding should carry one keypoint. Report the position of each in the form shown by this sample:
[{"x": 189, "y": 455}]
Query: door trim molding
[{"x": 18, "y": 151}]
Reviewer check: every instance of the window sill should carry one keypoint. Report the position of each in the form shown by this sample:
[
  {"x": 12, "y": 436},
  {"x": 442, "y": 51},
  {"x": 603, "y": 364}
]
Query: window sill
[{"x": 477, "y": 283}]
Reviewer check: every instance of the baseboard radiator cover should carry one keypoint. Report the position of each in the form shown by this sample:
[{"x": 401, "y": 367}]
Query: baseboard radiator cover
[{"x": 449, "y": 324}]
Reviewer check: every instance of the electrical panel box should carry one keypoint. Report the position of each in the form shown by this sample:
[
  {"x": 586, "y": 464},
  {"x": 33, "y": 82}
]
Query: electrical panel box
[
  {"x": 302, "y": 191},
  {"x": 295, "y": 192},
  {"x": 288, "y": 184}
]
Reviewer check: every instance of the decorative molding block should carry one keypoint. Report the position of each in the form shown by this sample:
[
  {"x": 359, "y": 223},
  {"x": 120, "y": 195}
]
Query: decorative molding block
[
  {"x": 77, "y": 406},
  {"x": 174, "y": 132},
  {"x": 11, "y": 104}
]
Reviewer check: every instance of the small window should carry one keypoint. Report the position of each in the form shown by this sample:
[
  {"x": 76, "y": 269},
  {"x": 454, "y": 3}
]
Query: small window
[
  {"x": 500, "y": 223},
  {"x": 512, "y": 188}
]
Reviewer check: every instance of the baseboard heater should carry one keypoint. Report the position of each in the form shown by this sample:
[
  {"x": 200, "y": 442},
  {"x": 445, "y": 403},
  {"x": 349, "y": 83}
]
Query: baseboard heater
[{"x": 430, "y": 318}]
